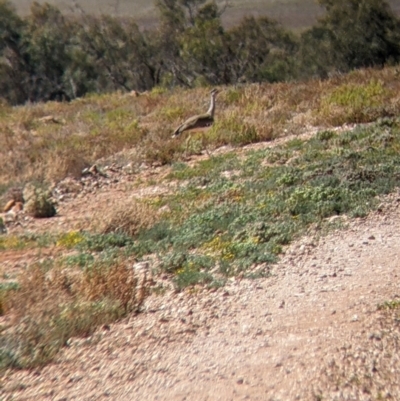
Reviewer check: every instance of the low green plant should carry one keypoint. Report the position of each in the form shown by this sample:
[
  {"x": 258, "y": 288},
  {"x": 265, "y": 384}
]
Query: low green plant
[
  {"x": 356, "y": 103},
  {"x": 27, "y": 240},
  {"x": 12, "y": 242},
  {"x": 81, "y": 260},
  {"x": 101, "y": 242},
  {"x": 205, "y": 169},
  {"x": 189, "y": 276},
  {"x": 390, "y": 305},
  {"x": 245, "y": 219},
  {"x": 70, "y": 239},
  {"x": 38, "y": 202}
]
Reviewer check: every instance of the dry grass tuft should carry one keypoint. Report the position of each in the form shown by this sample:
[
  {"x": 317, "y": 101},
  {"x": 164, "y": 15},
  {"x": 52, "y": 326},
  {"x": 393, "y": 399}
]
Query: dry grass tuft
[
  {"x": 115, "y": 282},
  {"x": 163, "y": 152},
  {"x": 15, "y": 194},
  {"x": 53, "y": 304},
  {"x": 124, "y": 218},
  {"x": 62, "y": 164}
]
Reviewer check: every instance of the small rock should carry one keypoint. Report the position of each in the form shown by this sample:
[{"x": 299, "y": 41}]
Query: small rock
[
  {"x": 375, "y": 336},
  {"x": 354, "y": 318},
  {"x": 9, "y": 216},
  {"x": 68, "y": 186},
  {"x": 141, "y": 266},
  {"x": 9, "y": 205}
]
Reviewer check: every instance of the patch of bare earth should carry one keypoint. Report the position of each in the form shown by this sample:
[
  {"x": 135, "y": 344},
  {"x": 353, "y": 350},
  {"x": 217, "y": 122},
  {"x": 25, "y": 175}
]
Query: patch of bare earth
[{"x": 264, "y": 339}]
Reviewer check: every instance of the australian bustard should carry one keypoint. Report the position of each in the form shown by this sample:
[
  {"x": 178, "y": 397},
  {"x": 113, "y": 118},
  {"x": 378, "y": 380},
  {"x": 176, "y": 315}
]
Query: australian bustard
[{"x": 199, "y": 122}]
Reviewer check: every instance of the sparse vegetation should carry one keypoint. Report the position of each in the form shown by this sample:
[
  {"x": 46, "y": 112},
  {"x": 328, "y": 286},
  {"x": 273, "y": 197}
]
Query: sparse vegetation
[
  {"x": 49, "y": 151},
  {"x": 247, "y": 219},
  {"x": 231, "y": 214},
  {"x": 86, "y": 298}
]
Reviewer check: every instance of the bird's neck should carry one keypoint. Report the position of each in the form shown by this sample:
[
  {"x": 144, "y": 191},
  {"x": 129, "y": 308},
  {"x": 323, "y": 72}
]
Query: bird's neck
[{"x": 212, "y": 106}]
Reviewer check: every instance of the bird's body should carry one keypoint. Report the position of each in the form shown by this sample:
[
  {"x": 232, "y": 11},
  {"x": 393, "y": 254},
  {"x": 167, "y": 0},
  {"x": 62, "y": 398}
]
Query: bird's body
[{"x": 200, "y": 121}]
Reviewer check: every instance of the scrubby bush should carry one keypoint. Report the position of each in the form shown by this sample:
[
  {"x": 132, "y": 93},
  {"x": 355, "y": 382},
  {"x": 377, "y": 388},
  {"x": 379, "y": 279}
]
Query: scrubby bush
[
  {"x": 352, "y": 34},
  {"x": 40, "y": 57},
  {"x": 38, "y": 202},
  {"x": 51, "y": 56},
  {"x": 86, "y": 299},
  {"x": 261, "y": 50}
]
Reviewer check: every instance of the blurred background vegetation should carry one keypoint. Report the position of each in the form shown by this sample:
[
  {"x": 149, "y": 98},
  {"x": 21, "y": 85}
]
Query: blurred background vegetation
[{"x": 52, "y": 53}]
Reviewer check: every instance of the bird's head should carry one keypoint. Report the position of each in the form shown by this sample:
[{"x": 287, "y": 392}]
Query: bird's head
[{"x": 214, "y": 92}]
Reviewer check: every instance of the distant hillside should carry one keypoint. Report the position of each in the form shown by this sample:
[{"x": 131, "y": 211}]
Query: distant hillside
[{"x": 295, "y": 14}]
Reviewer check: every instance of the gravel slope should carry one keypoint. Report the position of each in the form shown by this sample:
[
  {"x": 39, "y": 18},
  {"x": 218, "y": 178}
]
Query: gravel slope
[{"x": 265, "y": 339}]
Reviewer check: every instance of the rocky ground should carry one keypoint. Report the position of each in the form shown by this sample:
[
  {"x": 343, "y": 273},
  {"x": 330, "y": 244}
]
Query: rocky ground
[{"x": 299, "y": 334}]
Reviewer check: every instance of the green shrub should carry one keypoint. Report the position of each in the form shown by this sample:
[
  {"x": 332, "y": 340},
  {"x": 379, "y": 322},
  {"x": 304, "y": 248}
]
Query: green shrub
[
  {"x": 38, "y": 202},
  {"x": 101, "y": 242}
]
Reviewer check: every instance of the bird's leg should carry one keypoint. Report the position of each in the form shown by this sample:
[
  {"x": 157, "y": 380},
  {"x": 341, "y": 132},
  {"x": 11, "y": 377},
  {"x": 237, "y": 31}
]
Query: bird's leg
[
  {"x": 187, "y": 146},
  {"x": 205, "y": 146},
  {"x": 208, "y": 153}
]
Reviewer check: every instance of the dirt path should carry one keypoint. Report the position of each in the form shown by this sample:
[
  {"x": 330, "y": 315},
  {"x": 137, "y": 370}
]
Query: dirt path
[{"x": 253, "y": 339}]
